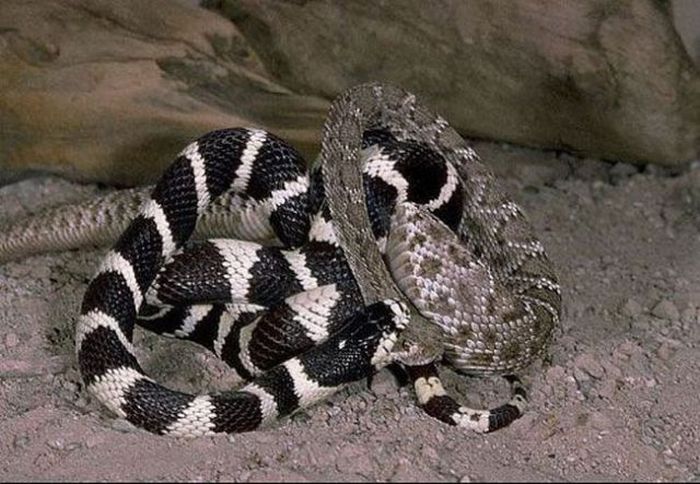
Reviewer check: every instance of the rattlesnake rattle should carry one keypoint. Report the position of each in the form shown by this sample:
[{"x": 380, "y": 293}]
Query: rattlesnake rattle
[{"x": 516, "y": 298}]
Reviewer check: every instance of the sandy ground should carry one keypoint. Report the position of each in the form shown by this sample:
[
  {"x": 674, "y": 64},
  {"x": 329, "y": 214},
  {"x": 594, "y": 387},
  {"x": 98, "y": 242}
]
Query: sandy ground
[{"x": 617, "y": 400}]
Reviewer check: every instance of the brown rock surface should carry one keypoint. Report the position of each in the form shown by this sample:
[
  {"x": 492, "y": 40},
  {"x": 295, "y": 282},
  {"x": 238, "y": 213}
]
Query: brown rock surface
[
  {"x": 608, "y": 78},
  {"x": 111, "y": 90}
]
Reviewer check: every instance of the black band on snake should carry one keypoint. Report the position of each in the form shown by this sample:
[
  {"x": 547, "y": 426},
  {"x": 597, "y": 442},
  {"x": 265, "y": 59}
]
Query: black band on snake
[{"x": 441, "y": 267}]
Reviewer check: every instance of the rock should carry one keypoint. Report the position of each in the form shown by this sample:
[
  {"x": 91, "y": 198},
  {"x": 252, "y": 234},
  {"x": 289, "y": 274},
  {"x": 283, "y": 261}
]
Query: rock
[
  {"x": 128, "y": 101},
  {"x": 611, "y": 370},
  {"x": 664, "y": 351},
  {"x": 384, "y": 385},
  {"x": 589, "y": 364},
  {"x": 588, "y": 169},
  {"x": 353, "y": 458},
  {"x": 607, "y": 388},
  {"x": 93, "y": 441},
  {"x": 685, "y": 17},
  {"x": 625, "y": 349},
  {"x": 600, "y": 421},
  {"x": 643, "y": 323},
  {"x": 689, "y": 315},
  {"x": 555, "y": 373},
  {"x": 621, "y": 171},
  {"x": 20, "y": 441},
  {"x": 579, "y": 76},
  {"x": 56, "y": 444},
  {"x": 631, "y": 308},
  {"x": 581, "y": 376},
  {"x": 91, "y": 90},
  {"x": 431, "y": 454},
  {"x": 11, "y": 340},
  {"x": 692, "y": 199},
  {"x": 665, "y": 309}
]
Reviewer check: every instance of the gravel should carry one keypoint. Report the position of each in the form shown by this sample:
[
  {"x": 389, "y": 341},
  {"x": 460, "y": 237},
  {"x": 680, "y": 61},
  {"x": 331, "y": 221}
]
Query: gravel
[{"x": 616, "y": 399}]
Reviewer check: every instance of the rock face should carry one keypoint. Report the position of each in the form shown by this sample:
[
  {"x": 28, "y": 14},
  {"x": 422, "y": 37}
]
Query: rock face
[
  {"x": 112, "y": 90},
  {"x": 603, "y": 77}
]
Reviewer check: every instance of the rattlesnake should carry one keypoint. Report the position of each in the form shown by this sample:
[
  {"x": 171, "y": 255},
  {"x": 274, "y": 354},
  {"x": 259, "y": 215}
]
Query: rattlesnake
[{"x": 398, "y": 248}]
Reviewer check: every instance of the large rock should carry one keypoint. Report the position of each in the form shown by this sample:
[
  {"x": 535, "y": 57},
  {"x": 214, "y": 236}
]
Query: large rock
[
  {"x": 608, "y": 78},
  {"x": 112, "y": 90}
]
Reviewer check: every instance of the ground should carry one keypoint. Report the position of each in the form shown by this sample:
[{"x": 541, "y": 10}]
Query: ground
[{"x": 617, "y": 399}]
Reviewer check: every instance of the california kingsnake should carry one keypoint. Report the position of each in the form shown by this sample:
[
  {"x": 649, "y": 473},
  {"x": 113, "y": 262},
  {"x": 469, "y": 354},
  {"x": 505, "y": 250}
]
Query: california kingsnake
[{"x": 290, "y": 316}]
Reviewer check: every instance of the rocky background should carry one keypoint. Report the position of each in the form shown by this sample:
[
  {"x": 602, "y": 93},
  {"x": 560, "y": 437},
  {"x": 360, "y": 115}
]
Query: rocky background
[{"x": 110, "y": 91}]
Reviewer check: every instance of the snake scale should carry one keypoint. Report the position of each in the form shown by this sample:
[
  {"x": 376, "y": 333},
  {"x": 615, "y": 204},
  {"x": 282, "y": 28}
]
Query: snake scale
[{"x": 398, "y": 248}]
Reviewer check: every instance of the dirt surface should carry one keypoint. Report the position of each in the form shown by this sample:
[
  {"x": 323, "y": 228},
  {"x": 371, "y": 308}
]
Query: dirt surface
[{"x": 617, "y": 400}]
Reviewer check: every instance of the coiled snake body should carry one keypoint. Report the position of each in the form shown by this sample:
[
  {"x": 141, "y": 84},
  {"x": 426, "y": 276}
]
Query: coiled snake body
[{"x": 397, "y": 248}]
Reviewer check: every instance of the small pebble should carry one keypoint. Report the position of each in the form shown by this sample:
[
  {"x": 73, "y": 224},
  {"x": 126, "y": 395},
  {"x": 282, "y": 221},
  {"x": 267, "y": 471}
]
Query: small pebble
[
  {"x": 607, "y": 389},
  {"x": 70, "y": 386},
  {"x": 431, "y": 453},
  {"x": 689, "y": 315},
  {"x": 384, "y": 385},
  {"x": 580, "y": 375},
  {"x": 631, "y": 308},
  {"x": 621, "y": 171},
  {"x": 665, "y": 309},
  {"x": 56, "y": 444},
  {"x": 94, "y": 441},
  {"x": 589, "y": 364},
  {"x": 611, "y": 370},
  {"x": 20, "y": 441},
  {"x": 600, "y": 421},
  {"x": 555, "y": 373},
  {"x": 664, "y": 352},
  {"x": 624, "y": 350},
  {"x": 72, "y": 446},
  {"x": 11, "y": 340}
]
